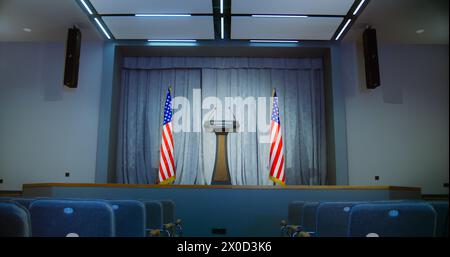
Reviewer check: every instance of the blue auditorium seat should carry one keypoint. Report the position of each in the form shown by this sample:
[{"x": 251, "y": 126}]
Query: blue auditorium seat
[
  {"x": 398, "y": 219},
  {"x": 26, "y": 202},
  {"x": 333, "y": 217},
  {"x": 129, "y": 218},
  {"x": 400, "y": 201},
  {"x": 309, "y": 216},
  {"x": 14, "y": 219},
  {"x": 172, "y": 226},
  {"x": 154, "y": 215},
  {"x": 59, "y": 218},
  {"x": 295, "y": 211},
  {"x": 441, "y": 208},
  {"x": 168, "y": 211}
]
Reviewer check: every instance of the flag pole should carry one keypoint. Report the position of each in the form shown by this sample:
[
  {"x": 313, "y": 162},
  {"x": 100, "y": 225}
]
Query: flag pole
[
  {"x": 273, "y": 95},
  {"x": 171, "y": 95},
  {"x": 169, "y": 165}
]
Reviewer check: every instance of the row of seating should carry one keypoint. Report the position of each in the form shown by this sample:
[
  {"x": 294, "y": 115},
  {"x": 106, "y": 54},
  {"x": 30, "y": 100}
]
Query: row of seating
[
  {"x": 402, "y": 218},
  {"x": 46, "y": 217}
]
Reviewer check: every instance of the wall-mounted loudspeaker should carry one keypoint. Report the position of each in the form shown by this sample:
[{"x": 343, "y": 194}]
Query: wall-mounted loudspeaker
[
  {"x": 371, "y": 58},
  {"x": 73, "y": 47}
]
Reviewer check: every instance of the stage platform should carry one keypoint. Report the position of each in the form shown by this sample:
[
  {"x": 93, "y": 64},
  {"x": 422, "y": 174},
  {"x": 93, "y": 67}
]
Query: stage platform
[{"x": 240, "y": 210}]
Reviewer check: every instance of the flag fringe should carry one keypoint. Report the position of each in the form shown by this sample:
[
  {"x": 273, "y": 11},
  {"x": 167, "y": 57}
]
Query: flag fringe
[
  {"x": 274, "y": 179},
  {"x": 167, "y": 181}
]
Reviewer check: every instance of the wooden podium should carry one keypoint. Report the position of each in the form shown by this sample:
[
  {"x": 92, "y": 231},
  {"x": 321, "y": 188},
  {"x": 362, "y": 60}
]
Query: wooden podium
[{"x": 221, "y": 174}]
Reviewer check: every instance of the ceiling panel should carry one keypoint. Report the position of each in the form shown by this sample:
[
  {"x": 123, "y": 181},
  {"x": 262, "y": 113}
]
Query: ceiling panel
[
  {"x": 398, "y": 21},
  {"x": 42, "y": 23},
  {"x": 311, "y": 28},
  {"x": 130, "y": 27},
  {"x": 152, "y": 6},
  {"x": 324, "y": 7}
]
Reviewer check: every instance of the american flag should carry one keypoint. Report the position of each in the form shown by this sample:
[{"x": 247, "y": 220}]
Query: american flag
[
  {"x": 276, "y": 160},
  {"x": 166, "y": 162}
]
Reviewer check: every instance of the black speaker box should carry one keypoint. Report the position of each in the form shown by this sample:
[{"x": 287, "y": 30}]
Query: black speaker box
[
  {"x": 73, "y": 47},
  {"x": 371, "y": 58}
]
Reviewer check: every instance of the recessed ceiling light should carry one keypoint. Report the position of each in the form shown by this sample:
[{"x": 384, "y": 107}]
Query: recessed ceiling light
[
  {"x": 278, "y": 16},
  {"x": 86, "y": 7},
  {"x": 172, "y": 40},
  {"x": 420, "y": 31},
  {"x": 102, "y": 28},
  {"x": 273, "y": 41},
  {"x": 222, "y": 29},
  {"x": 343, "y": 29},
  {"x": 161, "y": 15},
  {"x": 27, "y": 29},
  {"x": 359, "y": 7}
]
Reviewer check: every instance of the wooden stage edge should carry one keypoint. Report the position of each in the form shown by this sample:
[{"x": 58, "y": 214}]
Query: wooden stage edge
[{"x": 397, "y": 188}]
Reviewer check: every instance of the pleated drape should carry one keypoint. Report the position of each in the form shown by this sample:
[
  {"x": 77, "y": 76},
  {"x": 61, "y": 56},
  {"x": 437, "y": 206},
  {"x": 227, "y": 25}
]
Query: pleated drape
[{"x": 300, "y": 88}]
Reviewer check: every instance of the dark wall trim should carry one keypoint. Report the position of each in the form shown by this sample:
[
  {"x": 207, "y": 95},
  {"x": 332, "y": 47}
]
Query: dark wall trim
[
  {"x": 114, "y": 122},
  {"x": 433, "y": 197},
  {"x": 105, "y": 115},
  {"x": 10, "y": 193}
]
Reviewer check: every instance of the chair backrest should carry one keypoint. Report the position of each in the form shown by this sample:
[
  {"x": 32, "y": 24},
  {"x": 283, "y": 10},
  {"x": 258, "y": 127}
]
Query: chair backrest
[
  {"x": 168, "y": 211},
  {"x": 309, "y": 216},
  {"x": 403, "y": 219},
  {"x": 400, "y": 201},
  {"x": 129, "y": 218},
  {"x": 333, "y": 217},
  {"x": 295, "y": 211},
  {"x": 26, "y": 202},
  {"x": 154, "y": 214},
  {"x": 59, "y": 218},
  {"x": 441, "y": 208},
  {"x": 14, "y": 220}
]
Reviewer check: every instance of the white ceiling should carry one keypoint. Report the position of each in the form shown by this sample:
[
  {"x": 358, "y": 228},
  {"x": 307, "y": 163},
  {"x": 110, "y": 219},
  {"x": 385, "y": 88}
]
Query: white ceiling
[
  {"x": 324, "y": 7},
  {"x": 397, "y": 21},
  {"x": 312, "y": 28},
  {"x": 152, "y": 6},
  {"x": 130, "y": 27},
  {"x": 47, "y": 19},
  {"x": 127, "y": 26}
]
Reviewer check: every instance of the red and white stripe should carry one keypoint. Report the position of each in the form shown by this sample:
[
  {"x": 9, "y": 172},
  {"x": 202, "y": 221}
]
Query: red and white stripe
[
  {"x": 276, "y": 161},
  {"x": 166, "y": 160}
]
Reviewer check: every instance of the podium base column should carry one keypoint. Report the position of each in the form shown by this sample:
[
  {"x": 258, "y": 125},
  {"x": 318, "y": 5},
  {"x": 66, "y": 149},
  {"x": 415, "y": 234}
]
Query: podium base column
[{"x": 221, "y": 174}]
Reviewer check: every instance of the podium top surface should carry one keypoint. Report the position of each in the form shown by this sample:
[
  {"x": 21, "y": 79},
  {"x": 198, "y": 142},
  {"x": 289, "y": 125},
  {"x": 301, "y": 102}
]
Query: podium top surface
[{"x": 221, "y": 125}]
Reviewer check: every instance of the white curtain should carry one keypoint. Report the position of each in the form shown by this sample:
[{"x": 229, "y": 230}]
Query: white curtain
[
  {"x": 300, "y": 89},
  {"x": 142, "y": 96}
]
